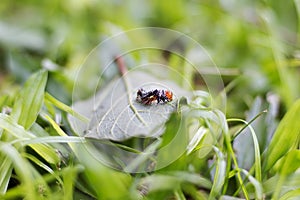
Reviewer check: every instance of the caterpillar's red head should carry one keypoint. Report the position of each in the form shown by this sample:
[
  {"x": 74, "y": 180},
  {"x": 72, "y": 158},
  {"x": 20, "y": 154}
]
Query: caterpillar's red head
[{"x": 169, "y": 95}]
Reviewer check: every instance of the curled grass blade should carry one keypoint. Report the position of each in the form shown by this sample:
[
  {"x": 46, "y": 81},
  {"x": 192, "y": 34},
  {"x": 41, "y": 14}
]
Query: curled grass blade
[
  {"x": 258, "y": 174},
  {"x": 248, "y": 123}
]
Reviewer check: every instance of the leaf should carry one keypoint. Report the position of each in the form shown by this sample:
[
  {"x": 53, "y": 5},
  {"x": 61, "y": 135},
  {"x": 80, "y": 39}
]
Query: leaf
[
  {"x": 8, "y": 124},
  {"x": 291, "y": 181},
  {"x": 195, "y": 141},
  {"x": 21, "y": 167},
  {"x": 174, "y": 142},
  {"x": 159, "y": 182},
  {"x": 220, "y": 174},
  {"x": 30, "y": 100},
  {"x": 203, "y": 139},
  {"x": 292, "y": 194},
  {"x": 106, "y": 182},
  {"x": 290, "y": 163},
  {"x": 193, "y": 178},
  {"x": 43, "y": 166},
  {"x": 44, "y": 150},
  {"x": 116, "y": 115},
  {"x": 69, "y": 177},
  {"x": 256, "y": 183},
  {"x": 5, "y": 173},
  {"x": 285, "y": 137}
]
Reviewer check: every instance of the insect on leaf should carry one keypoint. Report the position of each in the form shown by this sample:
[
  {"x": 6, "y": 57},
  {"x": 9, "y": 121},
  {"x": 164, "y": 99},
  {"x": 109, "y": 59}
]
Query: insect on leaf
[{"x": 115, "y": 114}]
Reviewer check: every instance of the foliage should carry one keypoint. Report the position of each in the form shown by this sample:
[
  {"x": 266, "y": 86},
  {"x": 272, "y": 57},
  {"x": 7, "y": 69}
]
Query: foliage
[{"x": 249, "y": 150}]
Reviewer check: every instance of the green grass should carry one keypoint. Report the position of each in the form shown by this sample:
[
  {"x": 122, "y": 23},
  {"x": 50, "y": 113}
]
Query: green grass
[{"x": 246, "y": 147}]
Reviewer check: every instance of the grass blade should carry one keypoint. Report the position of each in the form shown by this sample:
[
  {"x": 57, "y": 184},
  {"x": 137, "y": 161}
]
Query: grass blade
[
  {"x": 46, "y": 152},
  {"x": 30, "y": 100},
  {"x": 290, "y": 164},
  {"x": 257, "y": 163},
  {"x": 231, "y": 152},
  {"x": 7, "y": 123},
  {"x": 5, "y": 173},
  {"x": 285, "y": 136},
  {"x": 44, "y": 166},
  {"x": 54, "y": 124},
  {"x": 53, "y": 139},
  {"x": 21, "y": 167},
  {"x": 257, "y": 185},
  {"x": 220, "y": 174},
  {"x": 65, "y": 108},
  {"x": 290, "y": 194},
  {"x": 69, "y": 177}
]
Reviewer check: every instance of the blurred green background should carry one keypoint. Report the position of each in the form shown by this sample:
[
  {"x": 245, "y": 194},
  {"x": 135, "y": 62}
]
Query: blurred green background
[
  {"x": 259, "y": 38},
  {"x": 255, "y": 43}
]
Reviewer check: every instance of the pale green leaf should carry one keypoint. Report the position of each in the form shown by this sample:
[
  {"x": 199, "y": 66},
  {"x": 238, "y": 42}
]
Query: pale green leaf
[
  {"x": 22, "y": 168},
  {"x": 291, "y": 195},
  {"x": 290, "y": 164},
  {"x": 285, "y": 136},
  {"x": 5, "y": 173},
  {"x": 30, "y": 100},
  {"x": 257, "y": 185},
  {"x": 220, "y": 174},
  {"x": 44, "y": 166},
  {"x": 46, "y": 152},
  {"x": 8, "y": 124}
]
